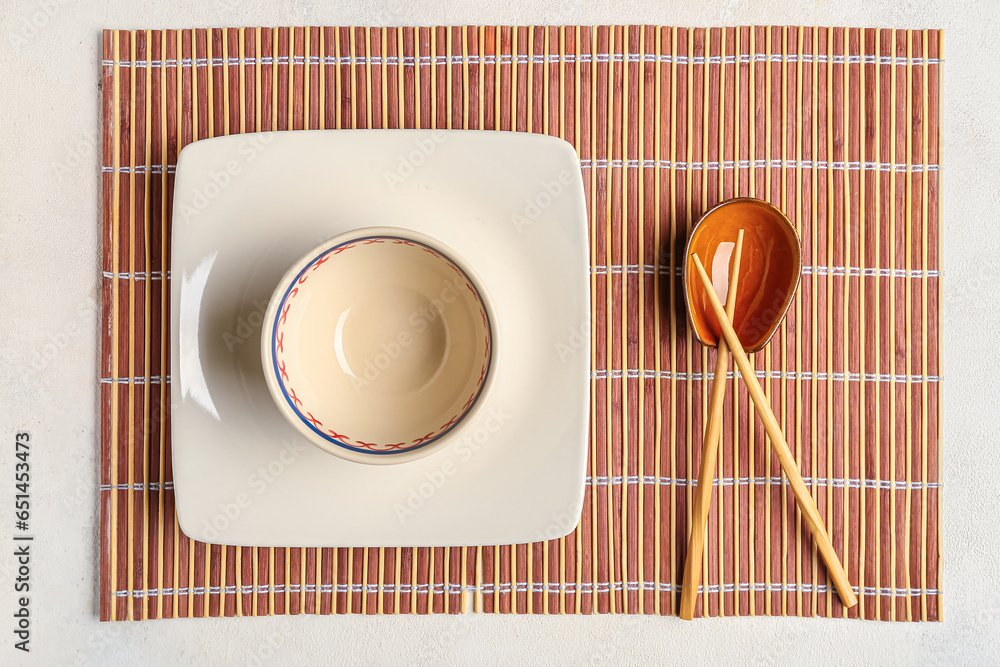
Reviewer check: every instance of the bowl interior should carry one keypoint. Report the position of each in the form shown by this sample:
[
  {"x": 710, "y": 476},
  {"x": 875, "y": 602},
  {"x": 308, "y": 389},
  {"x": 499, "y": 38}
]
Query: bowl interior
[
  {"x": 380, "y": 345},
  {"x": 769, "y": 270}
]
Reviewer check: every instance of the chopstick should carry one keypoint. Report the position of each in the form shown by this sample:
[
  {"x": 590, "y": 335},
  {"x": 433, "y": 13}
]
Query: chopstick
[
  {"x": 709, "y": 452},
  {"x": 788, "y": 465}
]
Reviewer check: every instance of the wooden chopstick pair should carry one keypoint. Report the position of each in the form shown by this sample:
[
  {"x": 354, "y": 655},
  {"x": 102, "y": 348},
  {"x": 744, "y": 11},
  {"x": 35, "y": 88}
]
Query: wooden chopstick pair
[{"x": 730, "y": 342}]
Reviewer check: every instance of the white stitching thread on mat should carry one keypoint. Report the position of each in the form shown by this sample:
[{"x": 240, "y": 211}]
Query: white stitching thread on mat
[
  {"x": 437, "y": 588},
  {"x": 869, "y": 271},
  {"x": 616, "y": 269},
  {"x": 153, "y": 379},
  {"x": 137, "y": 486},
  {"x": 851, "y": 271},
  {"x": 635, "y": 373},
  {"x": 696, "y": 165},
  {"x": 537, "y": 59},
  {"x": 138, "y": 275},
  {"x": 506, "y": 588},
  {"x": 647, "y": 374},
  {"x": 140, "y": 169},
  {"x": 603, "y": 587},
  {"x": 616, "y": 480},
  {"x": 855, "y": 483}
]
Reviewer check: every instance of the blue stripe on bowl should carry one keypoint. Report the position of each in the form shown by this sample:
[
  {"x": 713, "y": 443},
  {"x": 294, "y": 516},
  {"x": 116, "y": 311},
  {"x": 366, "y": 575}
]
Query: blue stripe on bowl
[{"x": 291, "y": 403}]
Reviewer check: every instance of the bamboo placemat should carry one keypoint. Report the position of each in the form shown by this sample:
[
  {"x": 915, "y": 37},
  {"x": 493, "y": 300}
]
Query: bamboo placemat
[{"x": 838, "y": 127}]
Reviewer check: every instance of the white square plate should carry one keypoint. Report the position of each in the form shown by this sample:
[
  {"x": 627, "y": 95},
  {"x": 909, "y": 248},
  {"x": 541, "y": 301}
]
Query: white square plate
[{"x": 247, "y": 206}]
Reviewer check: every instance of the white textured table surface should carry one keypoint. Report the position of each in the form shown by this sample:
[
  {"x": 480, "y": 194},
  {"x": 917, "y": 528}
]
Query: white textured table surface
[{"x": 49, "y": 255}]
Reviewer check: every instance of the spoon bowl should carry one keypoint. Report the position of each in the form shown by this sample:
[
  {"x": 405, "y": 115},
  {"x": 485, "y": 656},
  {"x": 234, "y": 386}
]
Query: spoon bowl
[{"x": 769, "y": 271}]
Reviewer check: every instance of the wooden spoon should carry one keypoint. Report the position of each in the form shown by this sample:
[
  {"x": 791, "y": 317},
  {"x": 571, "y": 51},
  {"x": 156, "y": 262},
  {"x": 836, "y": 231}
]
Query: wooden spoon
[
  {"x": 788, "y": 465},
  {"x": 771, "y": 266}
]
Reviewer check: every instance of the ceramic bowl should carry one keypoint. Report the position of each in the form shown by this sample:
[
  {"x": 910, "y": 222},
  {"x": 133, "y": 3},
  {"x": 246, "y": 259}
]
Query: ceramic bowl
[
  {"x": 379, "y": 344},
  {"x": 769, "y": 270}
]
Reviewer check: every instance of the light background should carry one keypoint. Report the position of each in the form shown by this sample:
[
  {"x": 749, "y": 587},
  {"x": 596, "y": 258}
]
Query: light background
[{"x": 49, "y": 294}]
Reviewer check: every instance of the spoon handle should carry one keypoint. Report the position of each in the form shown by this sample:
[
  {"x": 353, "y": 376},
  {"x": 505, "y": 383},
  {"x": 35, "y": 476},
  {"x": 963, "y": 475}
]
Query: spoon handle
[
  {"x": 788, "y": 465},
  {"x": 709, "y": 453}
]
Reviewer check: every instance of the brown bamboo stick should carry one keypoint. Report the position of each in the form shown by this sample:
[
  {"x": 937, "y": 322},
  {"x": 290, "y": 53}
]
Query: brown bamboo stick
[
  {"x": 830, "y": 190},
  {"x": 641, "y": 526},
  {"x": 720, "y": 181},
  {"x": 939, "y": 578},
  {"x": 609, "y": 309},
  {"x": 799, "y": 325},
  {"x": 924, "y": 371},
  {"x": 132, "y": 287},
  {"x": 768, "y": 487},
  {"x": 751, "y": 454},
  {"x": 909, "y": 110},
  {"x": 578, "y": 142},
  {"x": 623, "y": 337},
  {"x": 788, "y": 464},
  {"x": 688, "y": 339},
  {"x": 845, "y": 320},
  {"x": 164, "y": 341},
  {"x": 148, "y": 569},
  {"x": 178, "y": 140},
  {"x": 814, "y": 291},
  {"x": 737, "y": 522},
  {"x": 674, "y": 191},
  {"x": 702, "y": 352},
  {"x": 781, "y": 335},
  {"x": 877, "y": 309},
  {"x": 657, "y": 356},
  {"x": 862, "y": 327},
  {"x": 592, "y": 207},
  {"x": 114, "y": 317},
  {"x": 709, "y": 452}
]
